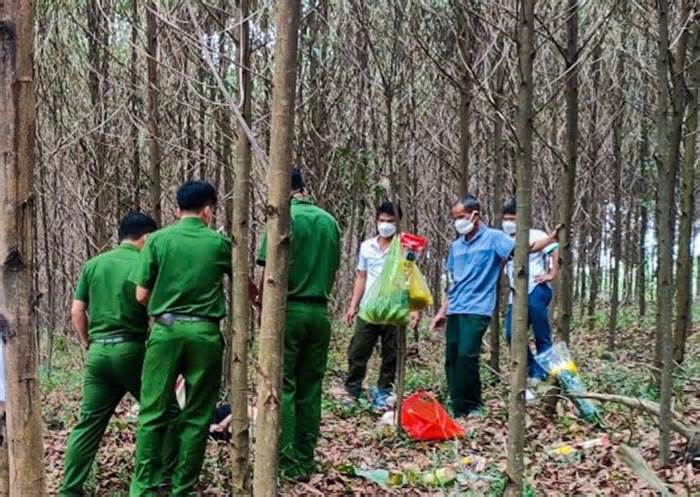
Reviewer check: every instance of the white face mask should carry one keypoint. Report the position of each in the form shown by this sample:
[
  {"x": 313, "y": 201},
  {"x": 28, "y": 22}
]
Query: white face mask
[
  {"x": 509, "y": 227},
  {"x": 464, "y": 226},
  {"x": 386, "y": 230}
]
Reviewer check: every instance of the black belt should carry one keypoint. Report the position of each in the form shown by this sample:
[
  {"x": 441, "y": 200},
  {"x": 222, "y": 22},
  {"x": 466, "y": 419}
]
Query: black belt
[
  {"x": 309, "y": 300},
  {"x": 169, "y": 318},
  {"x": 119, "y": 339}
]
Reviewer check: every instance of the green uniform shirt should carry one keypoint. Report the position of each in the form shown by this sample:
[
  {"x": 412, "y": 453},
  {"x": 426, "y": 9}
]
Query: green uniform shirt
[
  {"x": 314, "y": 254},
  {"x": 110, "y": 297},
  {"x": 183, "y": 266}
]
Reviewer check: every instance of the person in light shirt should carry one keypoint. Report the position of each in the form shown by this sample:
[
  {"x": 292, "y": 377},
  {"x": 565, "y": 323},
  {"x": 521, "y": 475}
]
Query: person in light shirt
[
  {"x": 373, "y": 252},
  {"x": 474, "y": 264},
  {"x": 543, "y": 268}
]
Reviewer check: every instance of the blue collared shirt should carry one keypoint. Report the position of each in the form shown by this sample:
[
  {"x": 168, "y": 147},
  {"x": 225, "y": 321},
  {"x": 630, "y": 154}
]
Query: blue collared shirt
[{"x": 473, "y": 268}]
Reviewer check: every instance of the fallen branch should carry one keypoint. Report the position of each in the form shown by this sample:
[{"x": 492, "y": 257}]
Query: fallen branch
[
  {"x": 634, "y": 460},
  {"x": 678, "y": 424}
]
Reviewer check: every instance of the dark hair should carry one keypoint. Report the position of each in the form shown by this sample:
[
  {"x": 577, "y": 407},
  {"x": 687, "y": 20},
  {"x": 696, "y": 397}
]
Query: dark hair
[
  {"x": 509, "y": 207},
  {"x": 469, "y": 202},
  {"x": 195, "y": 196},
  {"x": 136, "y": 224},
  {"x": 389, "y": 209},
  {"x": 297, "y": 180}
]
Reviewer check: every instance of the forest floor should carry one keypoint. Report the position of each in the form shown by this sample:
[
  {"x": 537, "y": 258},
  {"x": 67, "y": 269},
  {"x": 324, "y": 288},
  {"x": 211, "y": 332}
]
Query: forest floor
[{"x": 559, "y": 461}]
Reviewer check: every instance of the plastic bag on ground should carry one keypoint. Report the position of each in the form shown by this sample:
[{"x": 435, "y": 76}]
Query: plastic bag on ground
[
  {"x": 387, "y": 301},
  {"x": 558, "y": 363},
  {"x": 425, "y": 419}
]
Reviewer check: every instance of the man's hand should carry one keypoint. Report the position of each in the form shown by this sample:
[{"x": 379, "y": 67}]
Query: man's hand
[
  {"x": 437, "y": 322},
  {"x": 143, "y": 295},
  {"x": 415, "y": 320},
  {"x": 554, "y": 235},
  {"x": 350, "y": 315},
  {"x": 216, "y": 428},
  {"x": 544, "y": 278}
]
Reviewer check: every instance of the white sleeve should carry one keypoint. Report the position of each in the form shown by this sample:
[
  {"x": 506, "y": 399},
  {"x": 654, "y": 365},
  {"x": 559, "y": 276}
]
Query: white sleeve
[
  {"x": 536, "y": 235},
  {"x": 362, "y": 259}
]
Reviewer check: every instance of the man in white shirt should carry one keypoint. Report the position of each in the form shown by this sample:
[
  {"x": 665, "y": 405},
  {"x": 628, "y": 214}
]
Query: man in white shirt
[
  {"x": 539, "y": 292},
  {"x": 371, "y": 260}
]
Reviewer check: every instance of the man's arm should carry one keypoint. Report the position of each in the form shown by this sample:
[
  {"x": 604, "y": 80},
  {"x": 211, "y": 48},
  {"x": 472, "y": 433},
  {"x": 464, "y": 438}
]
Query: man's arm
[
  {"x": 145, "y": 274},
  {"x": 357, "y": 291},
  {"x": 439, "y": 319},
  {"x": 553, "y": 270},
  {"x": 143, "y": 295},
  {"x": 80, "y": 321},
  {"x": 545, "y": 241}
]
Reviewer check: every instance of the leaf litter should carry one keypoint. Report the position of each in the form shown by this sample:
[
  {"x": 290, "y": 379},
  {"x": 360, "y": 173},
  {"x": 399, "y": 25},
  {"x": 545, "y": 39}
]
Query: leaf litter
[{"x": 358, "y": 456}]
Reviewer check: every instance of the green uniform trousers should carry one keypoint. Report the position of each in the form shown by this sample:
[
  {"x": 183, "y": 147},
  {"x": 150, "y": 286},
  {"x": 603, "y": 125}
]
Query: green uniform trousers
[
  {"x": 360, "y": 350},
  {"x": 111, "y": 370},
  {"x": 306, "y": 339},
  {"x": 193, "y": 349},
  {"x": 463, "y": 345}
]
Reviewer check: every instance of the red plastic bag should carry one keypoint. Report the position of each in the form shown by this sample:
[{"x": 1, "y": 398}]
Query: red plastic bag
[{"x": 424, "y": 418}]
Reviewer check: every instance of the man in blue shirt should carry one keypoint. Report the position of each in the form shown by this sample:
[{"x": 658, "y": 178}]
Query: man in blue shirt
[{"x": 474, "y": 264}]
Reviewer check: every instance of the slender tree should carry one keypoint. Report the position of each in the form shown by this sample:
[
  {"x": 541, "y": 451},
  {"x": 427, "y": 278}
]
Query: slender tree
[
  {"x": 153, "y": 118},
  {"x": 643, "y": 219},
  {"x": 277, "y": 261},
  {"x": 684, "y": 264},
  {"x": 4, "y": 456},
  {"x": 465, "y": 51},
  {"x": 240, "y": 324},
  {"x": 134, "y": 108},
  {"x": 518, "y": 358},
  {"x": 619, "y": 94},
  {"x": 494, "y": 358},
  {"x": 595, "y": 227},
  {"x": 664, "y": 207},
  {"x": 97, "y": 85},
  {"x": 17, "y": 148},
  {"x": 566, "y": 269}
]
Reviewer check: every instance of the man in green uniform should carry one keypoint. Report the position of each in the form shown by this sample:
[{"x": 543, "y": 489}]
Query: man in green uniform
[
  {"x": 180, "y": 277},
  {"x": 314, "y": 258},
  {"x": 114, "y": 338}
]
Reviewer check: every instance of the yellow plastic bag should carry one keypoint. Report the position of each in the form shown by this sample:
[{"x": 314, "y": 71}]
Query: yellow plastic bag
[{"x": 419, "y": 296}]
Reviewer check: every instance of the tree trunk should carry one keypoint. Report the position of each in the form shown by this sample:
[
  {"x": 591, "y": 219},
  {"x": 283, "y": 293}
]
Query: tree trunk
[
  {"x": 464, "y": 136},
  {"x": 684, "y": 267},
  {"x": 153, "y": 119},
  {"x": 240, "y": 323},
  {"x": 4, "y": 456},
  {"x": 495, "y": 338},
  {"x": 564, "y": 302},
  {"x": 642, "y": 269},
  {"x": 642, "y": 193},
  {"x": 97, "y": 45},
  {"x": 582, "y": 258},
  {"x": 697, "y": 278},
  {"x": 135, "y": 106},
  {"x": 277, "y": 262},
  {"x": 465, "y": 48},
  {"x": 617, "y": 179},
  {"x": 596, "y": 232},
  {"x": 667, "y": 139},
  {"x": 317, "y": 74},
  {"x": 518, "y": 358},
  {"x": 17, "y": 126}
]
